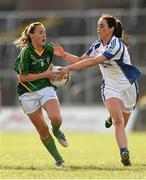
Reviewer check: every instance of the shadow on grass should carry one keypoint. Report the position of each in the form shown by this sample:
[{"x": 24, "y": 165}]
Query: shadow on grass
[
  {"x": 15, "y": 167},
  {"x": 137, "y": 167},
  {"x": 111, "y": 168},
  {"x": 102, "y": 168}
]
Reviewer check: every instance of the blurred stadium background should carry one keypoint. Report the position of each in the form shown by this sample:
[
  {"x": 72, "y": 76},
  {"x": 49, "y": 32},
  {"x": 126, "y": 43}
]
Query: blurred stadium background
[{"x": 72, "y": 23}]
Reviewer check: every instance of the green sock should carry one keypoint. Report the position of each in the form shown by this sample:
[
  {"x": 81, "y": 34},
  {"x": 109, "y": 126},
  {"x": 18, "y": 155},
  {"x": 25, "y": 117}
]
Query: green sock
[
  {"x": 55, "y": 128},
  {"x": 51, "y": 147}
]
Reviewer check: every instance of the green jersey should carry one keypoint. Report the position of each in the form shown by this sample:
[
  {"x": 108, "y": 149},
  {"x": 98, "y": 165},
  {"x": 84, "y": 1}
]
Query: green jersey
[{"x": 30, "y": 61}]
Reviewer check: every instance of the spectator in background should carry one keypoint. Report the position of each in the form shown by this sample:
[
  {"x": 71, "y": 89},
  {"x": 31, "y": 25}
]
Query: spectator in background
[
  {"x": 35, "y": 90},
  {"x": 119, "y": 89}
]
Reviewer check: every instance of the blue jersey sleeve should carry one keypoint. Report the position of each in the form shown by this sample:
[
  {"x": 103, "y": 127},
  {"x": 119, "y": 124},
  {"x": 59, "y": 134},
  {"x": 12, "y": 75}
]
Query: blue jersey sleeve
[
  {"x": 93, "y": 48},
  {"x": 114, "y": 50}
]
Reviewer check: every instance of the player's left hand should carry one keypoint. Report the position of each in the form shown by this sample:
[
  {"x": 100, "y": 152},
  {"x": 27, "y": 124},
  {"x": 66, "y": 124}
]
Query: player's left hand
[{"x": 58, "y": 50}]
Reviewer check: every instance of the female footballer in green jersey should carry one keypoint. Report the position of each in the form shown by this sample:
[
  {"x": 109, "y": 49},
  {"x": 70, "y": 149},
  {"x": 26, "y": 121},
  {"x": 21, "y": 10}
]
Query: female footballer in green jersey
[{"x": 34, "y": 88}]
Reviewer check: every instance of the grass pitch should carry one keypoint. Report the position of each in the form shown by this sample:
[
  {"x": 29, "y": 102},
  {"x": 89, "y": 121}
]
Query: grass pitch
[{"x": 89, "y": 156}]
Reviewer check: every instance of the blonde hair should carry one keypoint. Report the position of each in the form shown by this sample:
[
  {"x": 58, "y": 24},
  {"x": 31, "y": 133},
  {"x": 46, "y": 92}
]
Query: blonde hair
[{"x": 23, "y": 40}]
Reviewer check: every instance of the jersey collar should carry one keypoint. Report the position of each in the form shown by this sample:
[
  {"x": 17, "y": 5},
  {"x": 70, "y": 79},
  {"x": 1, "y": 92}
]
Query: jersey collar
[
  {"x": 39, "y": 53},
  {"x": 108, "y": 41}
]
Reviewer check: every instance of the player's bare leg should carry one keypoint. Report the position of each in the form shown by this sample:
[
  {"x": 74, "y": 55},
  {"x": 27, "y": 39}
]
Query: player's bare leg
[
  {"x": 115, "y": 106},
  {"x": 109, "y": 122},
  {"x": 52, "y": 108},
  {"x": 38, "y": 121}
]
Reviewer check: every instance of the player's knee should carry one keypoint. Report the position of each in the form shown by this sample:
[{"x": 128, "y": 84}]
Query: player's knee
[
  {"x": 118, "y": 122},
  {"x": 56, "y": 119}
]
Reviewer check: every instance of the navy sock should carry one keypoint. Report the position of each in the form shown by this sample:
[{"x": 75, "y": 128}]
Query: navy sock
[{"x": 123, "y": 150}]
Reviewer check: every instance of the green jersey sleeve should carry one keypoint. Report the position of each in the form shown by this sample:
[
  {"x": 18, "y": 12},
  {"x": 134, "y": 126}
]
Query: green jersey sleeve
[
  {"x": 22, "y": 63},
  {"x": 16, "y": 64}
]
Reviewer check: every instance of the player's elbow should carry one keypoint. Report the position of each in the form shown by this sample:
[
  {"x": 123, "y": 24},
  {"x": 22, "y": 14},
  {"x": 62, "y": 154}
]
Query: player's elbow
[
  {"x": 94, "y": 61},
  {"x": 91, "y": 62},
  {"x": 77, "y": 59}
]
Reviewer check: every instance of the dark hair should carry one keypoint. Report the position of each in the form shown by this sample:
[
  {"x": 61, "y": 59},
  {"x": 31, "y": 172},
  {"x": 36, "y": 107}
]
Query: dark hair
[
  {"x": 118, "y": 27},
  {"x": 23, "y": 40}
]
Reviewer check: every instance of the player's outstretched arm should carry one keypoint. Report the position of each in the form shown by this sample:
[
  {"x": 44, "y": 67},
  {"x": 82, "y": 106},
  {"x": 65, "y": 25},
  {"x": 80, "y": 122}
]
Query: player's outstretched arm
[
  {"x": 84, "y": 64},
  {"x": 59, "y": 51}
]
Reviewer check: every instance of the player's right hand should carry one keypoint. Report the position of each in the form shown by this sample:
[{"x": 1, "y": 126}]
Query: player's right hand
[{"x": 51, "y": 75}]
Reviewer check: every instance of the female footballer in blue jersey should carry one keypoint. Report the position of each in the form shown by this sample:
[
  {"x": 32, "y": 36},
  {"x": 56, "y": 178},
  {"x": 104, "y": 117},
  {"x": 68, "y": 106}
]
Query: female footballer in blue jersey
[
  {"x": 119, "y": 88},
  {"x": 34, "y": 88}
]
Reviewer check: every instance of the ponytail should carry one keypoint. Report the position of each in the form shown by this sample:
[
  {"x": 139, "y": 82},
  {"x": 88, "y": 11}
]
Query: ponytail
[
  {"x": 120, "y": 33},
  {"x": 119, "y": 29},
  {"x": 23, "y": 40}
]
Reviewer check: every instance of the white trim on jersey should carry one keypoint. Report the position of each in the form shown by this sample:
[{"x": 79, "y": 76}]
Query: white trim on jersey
[
  {"x": 92, "y": 50},
  {"x": 113, "y": 50},
  {"x": 117, "y": 69}
]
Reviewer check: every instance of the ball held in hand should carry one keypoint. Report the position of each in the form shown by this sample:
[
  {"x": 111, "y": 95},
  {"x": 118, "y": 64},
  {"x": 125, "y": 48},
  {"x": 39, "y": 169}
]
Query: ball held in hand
[{"x": 60, "y": 82}]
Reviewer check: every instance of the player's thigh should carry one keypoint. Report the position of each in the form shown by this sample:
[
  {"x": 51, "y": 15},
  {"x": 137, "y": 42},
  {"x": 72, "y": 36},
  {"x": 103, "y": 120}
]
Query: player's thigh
[
  {"x": 38, "y": 120},
  {"x": 114, "y": 106},
  {"x": 52, "y": 107}
]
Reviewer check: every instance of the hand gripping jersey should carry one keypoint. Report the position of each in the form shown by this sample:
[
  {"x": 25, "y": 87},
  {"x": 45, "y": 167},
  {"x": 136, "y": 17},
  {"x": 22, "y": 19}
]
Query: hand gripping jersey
[{"x": 117, "y": 70}]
